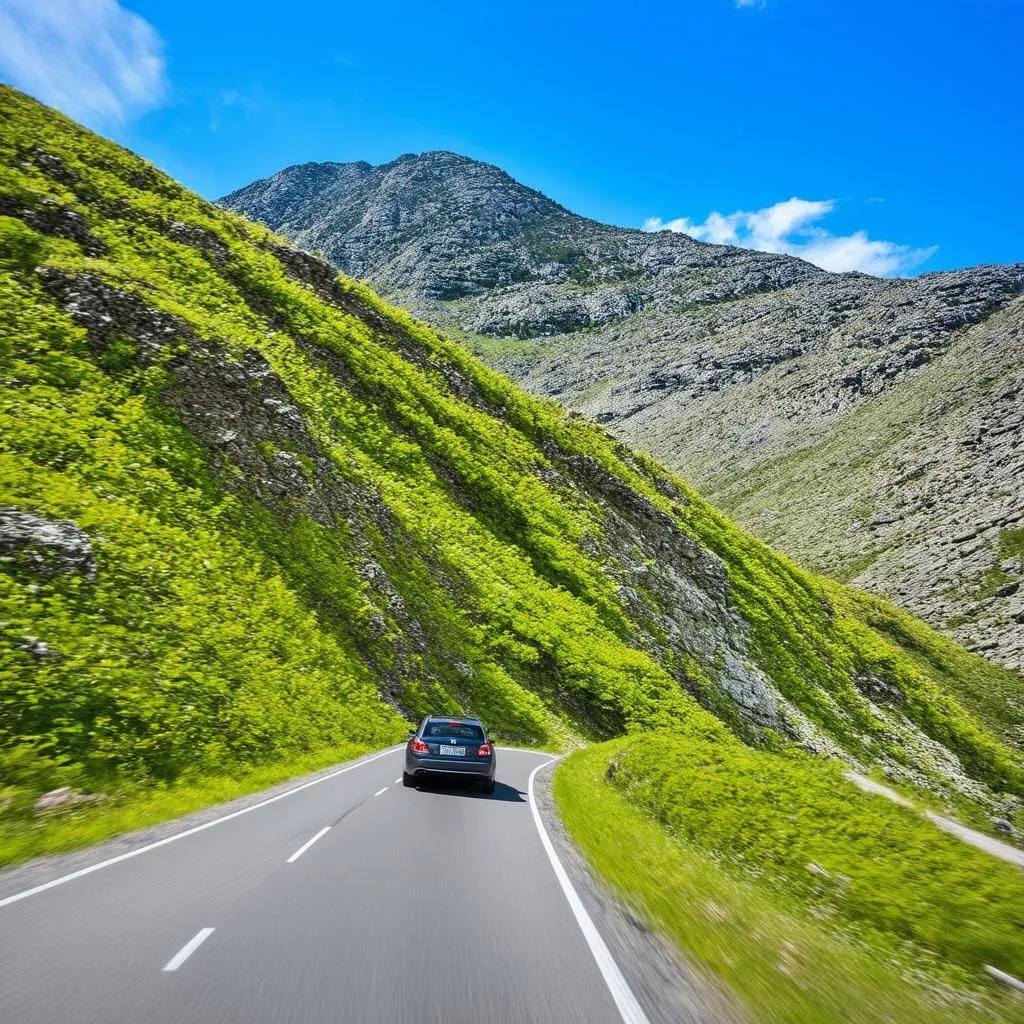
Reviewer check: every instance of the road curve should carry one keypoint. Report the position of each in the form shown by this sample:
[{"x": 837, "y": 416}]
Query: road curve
[{"x": 351, "y": 899}]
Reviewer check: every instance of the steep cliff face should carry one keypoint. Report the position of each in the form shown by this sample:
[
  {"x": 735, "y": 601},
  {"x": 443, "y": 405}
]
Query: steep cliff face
[
  {"x": 249, "y": 508},
  {"x": 802, "y": 402}
]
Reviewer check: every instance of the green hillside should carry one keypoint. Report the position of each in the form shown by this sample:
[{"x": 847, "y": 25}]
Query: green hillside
[
  {"x": 811, "y": 901},
  {"x": 868, "y": 427},
  {"x": 250, "y": 514}
]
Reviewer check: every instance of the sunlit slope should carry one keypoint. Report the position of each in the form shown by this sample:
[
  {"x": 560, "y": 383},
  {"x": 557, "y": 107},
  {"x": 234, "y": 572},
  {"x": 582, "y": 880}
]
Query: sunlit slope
[
  {"x": 252, "y": 510},
  {"x": 866, "y": 427}
]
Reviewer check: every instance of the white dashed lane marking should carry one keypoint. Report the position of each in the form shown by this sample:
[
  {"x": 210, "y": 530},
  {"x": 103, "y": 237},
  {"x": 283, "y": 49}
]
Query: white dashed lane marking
[
  {"x": 306, "y": 845},
  {"x": 188, "y": 949}
]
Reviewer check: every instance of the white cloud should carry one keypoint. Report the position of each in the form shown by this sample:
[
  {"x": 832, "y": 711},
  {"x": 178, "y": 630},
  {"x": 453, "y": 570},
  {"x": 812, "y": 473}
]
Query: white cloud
[
  {"x": 773, "y": 224},
  {"x": 92, "y": 59},
  {"x": 792, "y": 227}
]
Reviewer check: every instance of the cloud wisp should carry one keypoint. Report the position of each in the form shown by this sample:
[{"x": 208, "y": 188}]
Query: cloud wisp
[
  {"x": 92, "y": 59},
  {"x": 793, "y": 227}
]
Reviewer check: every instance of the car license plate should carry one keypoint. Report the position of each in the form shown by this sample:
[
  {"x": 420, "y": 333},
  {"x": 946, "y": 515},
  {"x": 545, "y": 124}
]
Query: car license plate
[{"x": 452, "y": 751}]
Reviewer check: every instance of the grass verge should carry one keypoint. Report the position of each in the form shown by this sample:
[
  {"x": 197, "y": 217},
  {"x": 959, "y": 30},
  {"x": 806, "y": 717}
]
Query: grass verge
[
  {"x": 784, "y": 963},
  {"x": 131, "y": 808}
]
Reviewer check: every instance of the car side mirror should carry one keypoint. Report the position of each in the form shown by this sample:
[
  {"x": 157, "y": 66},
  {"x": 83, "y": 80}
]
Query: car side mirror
[{"x": 412, "y": 732}]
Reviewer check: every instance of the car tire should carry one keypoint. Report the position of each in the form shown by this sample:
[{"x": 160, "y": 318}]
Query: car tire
[
  {"x": 408, "y": 780},
  {"x": 488, "y": 785}
]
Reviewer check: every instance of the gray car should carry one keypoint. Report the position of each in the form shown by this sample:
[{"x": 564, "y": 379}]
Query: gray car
[{"x": 450, "y": 746}]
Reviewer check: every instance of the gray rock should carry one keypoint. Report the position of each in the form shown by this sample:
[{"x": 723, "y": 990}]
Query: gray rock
[
  {"x": 46, "y": 545},
  {"x": 51, "y": 218},
  {"x": 65, "y": 798},
  {"x": 37, "y": 648},
  {"x": 108, "y": 313},
  {"x": 199, "y": 238}
]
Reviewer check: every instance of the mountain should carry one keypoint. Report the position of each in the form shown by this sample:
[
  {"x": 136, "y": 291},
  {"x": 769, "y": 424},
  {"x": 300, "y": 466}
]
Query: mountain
[
  {"x": 869, "y": 428},
  {"x": 249, "y": 510}
]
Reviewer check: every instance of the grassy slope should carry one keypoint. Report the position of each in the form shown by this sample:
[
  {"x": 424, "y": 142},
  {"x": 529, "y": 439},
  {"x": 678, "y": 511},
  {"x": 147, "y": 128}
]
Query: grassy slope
[
  {"x": 893, "y": 923},
  {"x": 224, "y": 634},
  {"x": 995, "y": 695},
  {"x": 198, "y": 650}
]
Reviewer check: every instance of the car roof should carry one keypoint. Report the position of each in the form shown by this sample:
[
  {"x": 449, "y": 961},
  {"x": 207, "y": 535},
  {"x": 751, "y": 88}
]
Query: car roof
[{"x": 461, "y": 719}]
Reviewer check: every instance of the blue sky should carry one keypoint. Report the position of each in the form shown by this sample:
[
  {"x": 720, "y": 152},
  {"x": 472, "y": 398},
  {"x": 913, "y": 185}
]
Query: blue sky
[{"x": 884, "y": 136}]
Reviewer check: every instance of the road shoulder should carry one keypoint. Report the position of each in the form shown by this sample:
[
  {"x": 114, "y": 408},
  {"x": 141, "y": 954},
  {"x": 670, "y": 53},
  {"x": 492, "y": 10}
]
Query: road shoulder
[
  {"x": 41, "y": 870},
  {"x": 670, "y": 990}
]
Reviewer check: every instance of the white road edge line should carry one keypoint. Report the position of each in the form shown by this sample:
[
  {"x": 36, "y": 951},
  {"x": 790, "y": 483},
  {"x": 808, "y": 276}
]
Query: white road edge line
[
  {"x": 188, "y": 949},
  {"x": 1006, "y": 979},
  {"x": 629, "y": 1008},
  {"x": 188, "y": 832},
  {"x": 379, "y": 791},
  {"x": 398, "y": 780},
  {"x": 309, "y": 842}
]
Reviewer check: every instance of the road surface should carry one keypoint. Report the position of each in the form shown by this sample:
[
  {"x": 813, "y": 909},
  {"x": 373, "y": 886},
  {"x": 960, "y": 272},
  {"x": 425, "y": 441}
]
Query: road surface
[{"x": 350, "y": 899}]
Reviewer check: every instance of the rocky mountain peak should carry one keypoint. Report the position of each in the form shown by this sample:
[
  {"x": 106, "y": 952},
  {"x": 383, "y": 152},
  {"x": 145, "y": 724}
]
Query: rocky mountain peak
[
  {"x": 362, "y": 215},
  {"x": 441, "y": 226}
]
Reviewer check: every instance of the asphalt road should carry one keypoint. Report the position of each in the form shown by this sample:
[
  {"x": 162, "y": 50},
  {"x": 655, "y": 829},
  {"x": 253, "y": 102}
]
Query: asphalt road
[{"x": 350, "y": 900}]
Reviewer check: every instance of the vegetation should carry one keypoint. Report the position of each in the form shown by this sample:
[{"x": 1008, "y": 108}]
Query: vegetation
[
  {"x": 814, "y": 902},
  {"x": 816, "y": 640},
  {"x": 313, "y": 518},
  {"x": 1011, "y": 543},
  {"x": 1010, "y": 546},
  {"x": 994, "y": 694}
]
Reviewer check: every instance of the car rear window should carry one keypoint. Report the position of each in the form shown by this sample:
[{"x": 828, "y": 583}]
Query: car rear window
[{"x": 453, "y": 730}]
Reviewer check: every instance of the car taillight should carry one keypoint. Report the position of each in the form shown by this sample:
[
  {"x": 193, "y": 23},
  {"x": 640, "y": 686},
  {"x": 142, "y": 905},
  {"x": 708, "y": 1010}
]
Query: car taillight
[
  {"x": 484, "y": 751},
  {"x": 419, "y": 747}
]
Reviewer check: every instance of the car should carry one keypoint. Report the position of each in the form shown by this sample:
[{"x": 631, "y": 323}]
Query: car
[{"x": 446, "y": 746}]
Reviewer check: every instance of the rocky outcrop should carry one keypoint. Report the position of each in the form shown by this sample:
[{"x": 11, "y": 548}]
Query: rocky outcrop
[
  {"x": 52, "y": 218},
  {"x": 108, "y": 313},
  {"x": 45, "y": 545},
  {"x": 65, "y": 799},
  {"x": 755, "y": 375}
]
